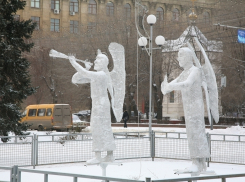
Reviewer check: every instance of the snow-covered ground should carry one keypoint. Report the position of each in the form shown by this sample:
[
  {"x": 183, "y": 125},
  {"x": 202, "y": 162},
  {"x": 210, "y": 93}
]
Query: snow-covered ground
[
  {"x": 233, "y": 130},
  {"x": 131, "y": 169},
  {"x": 137, "y": 168}
]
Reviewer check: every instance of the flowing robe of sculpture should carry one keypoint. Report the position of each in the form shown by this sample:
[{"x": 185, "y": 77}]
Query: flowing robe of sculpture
[
  {"x": 101, "y": 82},
  {"x": 100, "y": 120},
  {"x": 190, "y": 83}
]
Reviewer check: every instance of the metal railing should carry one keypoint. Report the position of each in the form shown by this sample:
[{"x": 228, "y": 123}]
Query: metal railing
[
  {"x": 74, "y": 176},
  {"x": 64, "y": 148},
  {"x": 61, "y": 148},
  {"x": 227, "y": 148},
  {"x": 224, "y": 148},
  {"x": 190, "y": 179},
  {"x": 68, "y": 148},
  {"x": 16, "y": 173},
  {"x": 19, "y": 150},
  {"x": 172, "y": 145},
  {"x": 11, "y": 169}
]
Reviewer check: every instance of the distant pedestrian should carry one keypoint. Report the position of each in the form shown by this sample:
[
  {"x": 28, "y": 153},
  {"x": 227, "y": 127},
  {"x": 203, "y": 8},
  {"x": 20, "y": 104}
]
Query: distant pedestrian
[{"x": 125, "y": 118}]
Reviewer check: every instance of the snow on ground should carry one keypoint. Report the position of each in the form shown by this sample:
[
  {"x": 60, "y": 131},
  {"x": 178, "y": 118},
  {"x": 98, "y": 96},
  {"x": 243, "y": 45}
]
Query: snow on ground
[
  {"x": 137, "y": 168},
  {"x": 131, "y": 169},
  {"x": 233, "y": 130}
]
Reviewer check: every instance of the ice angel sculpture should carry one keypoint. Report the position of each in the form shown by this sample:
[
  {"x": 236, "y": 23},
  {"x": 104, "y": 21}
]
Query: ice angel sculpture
[
  {"x": 190, "y": 83},
  {"x": 101, "y": 82}
]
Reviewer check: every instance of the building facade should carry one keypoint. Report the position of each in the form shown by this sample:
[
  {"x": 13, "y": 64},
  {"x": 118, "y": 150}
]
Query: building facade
[{"x": 58, "y": 16}]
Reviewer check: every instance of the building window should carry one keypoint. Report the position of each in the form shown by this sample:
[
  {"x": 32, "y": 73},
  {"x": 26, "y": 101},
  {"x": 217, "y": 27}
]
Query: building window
[
  {"x": 55, "y": 25},
  {"x": 109, "y": 9},
  {"x": 16, "y": 17},
  {"x": 206, "y": 17},
  {"x": 175, "y": 14},
  {"x": 73, "y": 26},
  {"x": 74, "y": 6},
  {"x": 37, "y": 21},
  {"x": 35, "y": 3},
  {"x": 127, "y": 10},
  {"x": 92, "y": 7},
  {"x": 55, "y": 4},
  {"x": 128, "y": 31},
  {"x": 159, "y": 14},
  {"x": 91, "y": 27},
  {"x": 171, "y": 98}
]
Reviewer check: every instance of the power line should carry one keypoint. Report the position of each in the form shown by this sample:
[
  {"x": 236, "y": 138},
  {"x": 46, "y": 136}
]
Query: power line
[{"x": 226, "y": 26}]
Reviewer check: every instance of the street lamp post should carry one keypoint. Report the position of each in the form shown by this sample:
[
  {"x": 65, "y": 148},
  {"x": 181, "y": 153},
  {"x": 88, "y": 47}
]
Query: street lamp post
[{"x": 142, "y": 42}]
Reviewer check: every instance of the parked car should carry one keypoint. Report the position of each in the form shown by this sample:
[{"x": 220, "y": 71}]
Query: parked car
[
  {"x": 84, "y": 115},
  {"x": 77, "y": 123},
  {"x": 48, "y": 116},
  {"x": 85, "y": 112}
]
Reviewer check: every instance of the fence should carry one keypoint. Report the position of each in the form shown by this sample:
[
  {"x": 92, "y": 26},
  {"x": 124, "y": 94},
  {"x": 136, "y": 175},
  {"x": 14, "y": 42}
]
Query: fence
[
  {"x": 15, "y": 176},
  {"x": 227, "y": 148},
  {"x": 70, "y": 147},
  {"x": 171, "y": 145},
  {"x": 17, "y": 151},
  {"x": 64, "y": 148}
]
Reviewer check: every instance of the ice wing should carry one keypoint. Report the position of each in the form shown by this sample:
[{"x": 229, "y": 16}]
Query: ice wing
[
  {"x": 211, "y": 84},
  {"x": 118, "y": 78},
  {"x": 212, "y": 90}
]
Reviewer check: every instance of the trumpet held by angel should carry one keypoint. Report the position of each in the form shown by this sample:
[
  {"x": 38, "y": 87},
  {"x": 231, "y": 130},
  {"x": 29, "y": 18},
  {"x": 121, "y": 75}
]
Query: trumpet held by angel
[
  {"x": 190, "y": 83},
  {"x": 103, "y": 81},
  {"x": 56, "y": 54}
]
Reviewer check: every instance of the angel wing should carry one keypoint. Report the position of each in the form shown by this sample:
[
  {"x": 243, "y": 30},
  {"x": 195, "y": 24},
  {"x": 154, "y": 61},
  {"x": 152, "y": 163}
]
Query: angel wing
[
  {"x": 211, "y": 84},
  {"x": 118, "y": 78}
]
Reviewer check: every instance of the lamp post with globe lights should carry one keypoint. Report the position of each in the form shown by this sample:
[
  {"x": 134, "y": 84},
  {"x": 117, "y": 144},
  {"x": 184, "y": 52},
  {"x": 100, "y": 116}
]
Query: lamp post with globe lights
[{"x": 142, "y": 42}]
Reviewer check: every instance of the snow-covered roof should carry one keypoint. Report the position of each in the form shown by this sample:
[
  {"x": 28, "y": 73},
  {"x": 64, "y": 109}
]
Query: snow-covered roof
[{"x": 192, "y": 31}]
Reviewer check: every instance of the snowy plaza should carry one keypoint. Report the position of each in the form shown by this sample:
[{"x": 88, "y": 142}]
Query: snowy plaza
[
  {"x": 132, "y": 169},
  {"x": 122, "y": 90}
]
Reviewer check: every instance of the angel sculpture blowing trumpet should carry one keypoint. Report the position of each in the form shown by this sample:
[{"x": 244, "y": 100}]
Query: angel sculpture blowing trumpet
[{"x": 101, "y": 82}]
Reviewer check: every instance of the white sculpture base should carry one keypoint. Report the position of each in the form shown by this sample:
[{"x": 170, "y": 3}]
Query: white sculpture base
[
  {"x": 177, "y": 171},
  {"x": 97, "y": 159},
  {"x": 104, "y": 165}
]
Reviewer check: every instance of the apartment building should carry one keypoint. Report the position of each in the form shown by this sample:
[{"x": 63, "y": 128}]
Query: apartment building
[{"x": 63, "y": 15}]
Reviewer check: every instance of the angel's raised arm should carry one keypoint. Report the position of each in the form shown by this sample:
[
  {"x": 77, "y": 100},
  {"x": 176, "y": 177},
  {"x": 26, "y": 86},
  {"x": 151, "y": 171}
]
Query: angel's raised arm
[
  {"x": 194, "y": 75},
  {"x": 80, "y": 69},
  {"x": 165, "y": 85}
]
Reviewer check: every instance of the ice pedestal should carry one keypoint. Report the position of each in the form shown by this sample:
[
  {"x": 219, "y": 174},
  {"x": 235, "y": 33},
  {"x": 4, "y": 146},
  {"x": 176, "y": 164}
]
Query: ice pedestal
[{"x": 104, "y": 165}]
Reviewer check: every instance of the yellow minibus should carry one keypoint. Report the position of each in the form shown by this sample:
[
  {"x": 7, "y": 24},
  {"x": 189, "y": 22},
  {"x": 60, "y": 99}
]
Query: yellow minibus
[{"x": 48, "y": 116}]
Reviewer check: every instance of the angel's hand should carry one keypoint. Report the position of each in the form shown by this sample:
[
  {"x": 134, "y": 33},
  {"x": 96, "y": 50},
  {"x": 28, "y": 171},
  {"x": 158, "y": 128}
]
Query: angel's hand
[
  {"x": 88, "y": 62},
  {"x": 87, "y": 66},
  {"x": 71, "y": 57}
]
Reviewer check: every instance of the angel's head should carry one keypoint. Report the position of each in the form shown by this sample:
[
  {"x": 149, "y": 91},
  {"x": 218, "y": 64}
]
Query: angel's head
[
  {"x": 101, "y": 61},
  {"x": 185, "y": 57}
]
